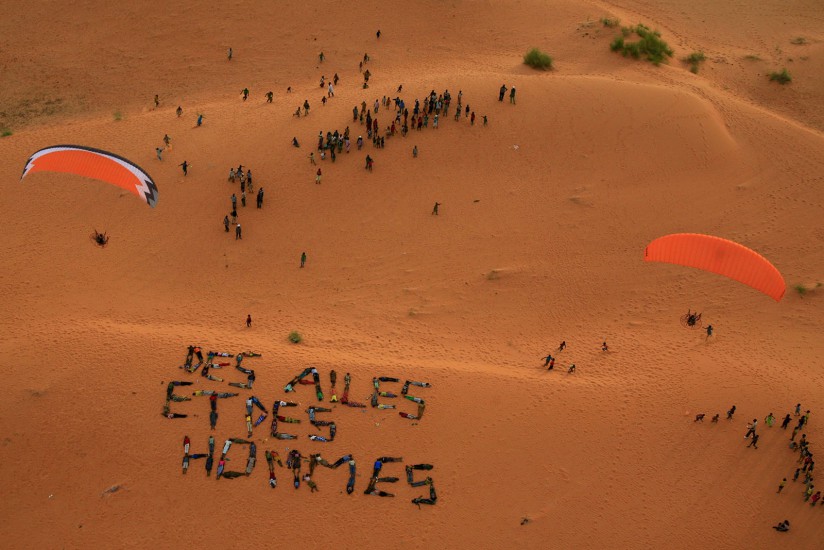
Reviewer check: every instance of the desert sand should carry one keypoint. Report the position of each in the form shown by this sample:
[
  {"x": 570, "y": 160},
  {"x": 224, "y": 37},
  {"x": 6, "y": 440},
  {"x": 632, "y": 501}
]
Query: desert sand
[{"x": 543, "y": 221}]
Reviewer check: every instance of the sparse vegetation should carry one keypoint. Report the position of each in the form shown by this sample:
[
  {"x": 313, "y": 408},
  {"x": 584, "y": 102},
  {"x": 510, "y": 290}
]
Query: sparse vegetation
[
  {"x": 610, "y": 23},
  {"x": 752, "y": 57},
  {"x": 537, "y": 59},
  {"x": 694, "y": 60},
  {"x": 801, "y": 289},
  {"x": 295, "y": 337},
  {"x": 118, "y": 115},
  {"x": 649, "y": 44},
  {"x": 782, "y": 78},
  {"x": 798, "y": 41},
  {"x": 6, "y": 132}
]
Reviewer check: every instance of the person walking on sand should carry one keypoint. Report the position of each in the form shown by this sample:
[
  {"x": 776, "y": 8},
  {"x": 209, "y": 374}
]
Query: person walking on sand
[
  {"x": 709, "y": 331},
  {"x": 233, "y": 198},
  {"x": 245, "y": 93},
  {"x": 260, "y": 198},
  {"x": 243, "y": 198},
  {"x": 785, "y": 422},
  {"x": 249, "y": 324},
  {"x": 321, "y": 57},
  {"x": 185, "y": 166},
  {"x": 157, "y": 101},
  {"x": 237, "y": 232},
  {"x": 781, "y": 485},
  {"x": 769, "y": 420},
  {"x": 226, "y": 223},
  {"x": 234, "y": 215},
  {"x": 199, "y": 120},
  {"x": 512, "y": 95},
  {"x": 797, "y": 409},
  {"x": 167, "y": 141},
  {"x": 318, "y": 176},
  {"x": 562, "y": 346},
  {"x": 502, "y": 92},
  {"x": 754, "y": 442},
  {"x": 415, "y": 152},
  {"x": 330, "y": 91},
  {"x": 229, "y": 54},
  {"x": 751, "y": 428},
  {"x": 305, "y": 107},
  {"x": 302, "y": 259},
  {"x": 472, "y": 119},
  {"x": 312, "y": 159},
  {"x": 547, "y": 359},
  {"x": 730, "y": 412},
  {"x": 435, "y": 208},
  {"x": 269, "y": 96},
  {"x": 179, "y": 111},
  {"x": 159, "y": 150},
  {"x": 604, "y": 347}
]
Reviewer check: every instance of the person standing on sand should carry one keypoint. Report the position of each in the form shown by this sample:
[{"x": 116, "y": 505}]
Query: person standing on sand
[
  {"x": 547, "y": 359},
  {"x": 243, "y": 198},
  {"x": 730, "y": 412},
  {"x": 249, "y": 324},
  {"x": 157, "y": 101},
  {"x": 167, "y": 141},
  {"x": 234, "y": 216},
  {"x": 159, "y": 150},
  {"x": 269, "y": 96},
  {"x": 320, "y": 57},
  {"x": 237, "y": 232},
  {"x": 797, "y": 409},
  {"x": 415, "y": 152},
  {"x": 229, "y": 54},
  {"x": 245, "y": 93},
  {"x": 435, "y": 208},
  {"x": 512, "y": 95},
  {"x": 709, "y": 331},
  {"x": 472, "y": 119},
  {"x": 200, "y": 120},
  {"x": 226, "y": 223},
  {"x": 754, "y": 442},
  {"x": 604, "y": 347},
  {"x": 302, "y": 259},
  {"x": 260, "y": 198},
  {"x": 179, "y": 111},
  {"x": 502, "y": 92},
  {"x": 751, "y": 428},
  {"x": 330, "y": 91},
  {"x": 318, "y": 176},
  {"x": 233, "y": 198},
  {"x": 185, "y": 166},
  {"x": 305, "y": 107},
  {"x": 378, "y": 34}
]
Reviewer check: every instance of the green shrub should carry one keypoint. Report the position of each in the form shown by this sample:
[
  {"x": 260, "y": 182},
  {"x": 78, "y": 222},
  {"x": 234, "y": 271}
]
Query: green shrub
[
  {"x": 295, "y": 337},
  {"x": 694, "y": 60},
  {"x": 118, "y": 115},
  {"x": 610, "y": 22},
  {"x": 649, "y": 44},
  {"x": 782, "y": 78},
  {"x": 6, "y": 132},
  {"x": 537, "y": 59},
  {"x": 801, "y": 289}
]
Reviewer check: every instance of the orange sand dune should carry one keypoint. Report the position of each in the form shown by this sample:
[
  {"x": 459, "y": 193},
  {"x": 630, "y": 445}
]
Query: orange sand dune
[{"x": 540, "y": 235}]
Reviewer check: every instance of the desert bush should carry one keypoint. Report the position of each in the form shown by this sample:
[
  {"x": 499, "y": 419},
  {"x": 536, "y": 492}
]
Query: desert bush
[
  {"x": 537, "y": 59},
  {"x": 782, "y": 77},
  {"x": 694, "y": 60},
  {"x": 649, "y": 44},
  {"x": 798, "y": 40},
  {"x": 610, "y": 22},
  {"x": 801, "y": 289},
  {"x": 751, "y": 57},
  {"x": 118, "y": 115},
  {"x": 6, "y": 132},
  {"x": 295, "y": 337}
]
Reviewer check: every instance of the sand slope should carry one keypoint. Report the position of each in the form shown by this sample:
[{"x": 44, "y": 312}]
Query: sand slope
[{"x": 544, "y": 216}]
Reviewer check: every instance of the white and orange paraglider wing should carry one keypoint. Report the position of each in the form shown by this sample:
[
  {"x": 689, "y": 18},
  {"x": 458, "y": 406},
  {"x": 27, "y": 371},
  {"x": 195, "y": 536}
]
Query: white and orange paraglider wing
[{"x": 95, "y": 164}]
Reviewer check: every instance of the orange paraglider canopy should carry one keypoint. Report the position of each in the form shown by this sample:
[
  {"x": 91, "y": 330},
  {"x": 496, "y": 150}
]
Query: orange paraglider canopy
[{"x": 719, "y": 256}]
